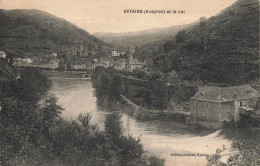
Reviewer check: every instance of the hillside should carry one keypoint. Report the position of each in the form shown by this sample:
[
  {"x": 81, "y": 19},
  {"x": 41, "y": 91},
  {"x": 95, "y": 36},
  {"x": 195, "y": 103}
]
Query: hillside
[
  {"x": 136, "y": 39},
  {"x": 33, "y": 32},
  {"x": 221, "y": 49},
  {"x": 7, "y": 72}
]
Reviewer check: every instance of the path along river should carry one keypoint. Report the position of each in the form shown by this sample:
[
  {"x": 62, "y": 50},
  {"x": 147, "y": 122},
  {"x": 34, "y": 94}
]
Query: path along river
[{"x": 168, "y": 140}]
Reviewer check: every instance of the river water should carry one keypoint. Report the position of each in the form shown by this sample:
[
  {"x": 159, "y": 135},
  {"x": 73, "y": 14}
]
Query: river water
[{"x": 168, "y": 140}]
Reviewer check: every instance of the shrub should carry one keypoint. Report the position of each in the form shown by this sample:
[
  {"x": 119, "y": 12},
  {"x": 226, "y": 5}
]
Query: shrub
[{"x": 248, "y": 154}]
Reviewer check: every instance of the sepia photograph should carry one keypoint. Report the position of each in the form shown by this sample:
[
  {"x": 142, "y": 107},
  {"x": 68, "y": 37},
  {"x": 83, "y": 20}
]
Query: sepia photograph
[{"x": 129, "y": 83}]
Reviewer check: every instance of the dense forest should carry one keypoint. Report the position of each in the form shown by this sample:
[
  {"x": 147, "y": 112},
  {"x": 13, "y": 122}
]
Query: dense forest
[
  {"x": 34, "y": 33},
  {"x": 221, "y": 49}
]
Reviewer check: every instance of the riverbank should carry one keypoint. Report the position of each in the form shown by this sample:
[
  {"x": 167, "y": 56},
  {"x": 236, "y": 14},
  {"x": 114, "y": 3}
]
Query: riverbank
[
  {"x": 68, "y": 75},
  {"x": 147, "y": 114},
  {"x": 159, "y": 138}
]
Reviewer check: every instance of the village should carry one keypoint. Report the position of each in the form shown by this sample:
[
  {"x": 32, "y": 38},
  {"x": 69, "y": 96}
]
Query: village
[
  {"x": 212, "y": 107},
  {"x": 109, "y": 83},
  {"x": 76, "y": 59}
]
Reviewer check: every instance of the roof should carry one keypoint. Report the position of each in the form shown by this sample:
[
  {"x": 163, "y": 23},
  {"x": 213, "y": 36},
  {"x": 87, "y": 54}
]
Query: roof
[
  {"x": 119, "y": 62},
  {"x": 247, "y": 108},
  {"x": 225, "y": 94},
  {"x": 135, "y": 62}
]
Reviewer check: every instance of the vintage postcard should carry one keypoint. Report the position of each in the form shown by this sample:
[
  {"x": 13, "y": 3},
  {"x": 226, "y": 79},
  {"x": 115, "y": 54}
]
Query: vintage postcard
[{"x": 129, "y": 82}]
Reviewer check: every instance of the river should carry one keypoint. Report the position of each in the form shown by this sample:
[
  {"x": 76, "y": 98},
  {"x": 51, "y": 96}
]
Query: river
[{"x": 168, "y": 140}]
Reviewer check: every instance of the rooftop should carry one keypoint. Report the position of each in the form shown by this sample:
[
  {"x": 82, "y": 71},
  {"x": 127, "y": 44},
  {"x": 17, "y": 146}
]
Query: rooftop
[
  {"x": 119, "y": 62},
  {"x": 225, "y": 94}
]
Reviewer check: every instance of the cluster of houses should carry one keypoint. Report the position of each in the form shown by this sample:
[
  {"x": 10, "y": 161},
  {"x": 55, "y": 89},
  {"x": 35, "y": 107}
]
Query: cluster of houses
[
  {"x": 124, "y": 64},
  {"x": 117, "y": 59},
  {"x": 48, "y": 61},
  {"x": 84, "y": 58},
  {"x": 128, "y": 64},
  {"x": 122, "y": 51}
]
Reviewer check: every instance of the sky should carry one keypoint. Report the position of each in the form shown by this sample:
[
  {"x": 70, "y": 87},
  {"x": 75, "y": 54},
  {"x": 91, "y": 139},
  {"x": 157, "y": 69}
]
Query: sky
[{"x": 108, "y": 15}]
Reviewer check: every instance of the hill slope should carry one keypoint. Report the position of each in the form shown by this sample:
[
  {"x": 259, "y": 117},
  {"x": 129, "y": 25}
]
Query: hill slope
[
  {"x": 221, "y": 49},
  {"x": 7, "y": 72},
  {"x": 33, "y": 32},
  {"x": 136, "y": 39}
]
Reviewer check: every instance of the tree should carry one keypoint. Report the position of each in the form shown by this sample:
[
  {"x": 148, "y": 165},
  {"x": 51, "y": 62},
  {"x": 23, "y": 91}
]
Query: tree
[
  {"x": 130, "y": 148},
  {"x": 50, "y": 113},
  {"x": 113, "y": 126},
  {"x": 169, "y": 45},
  {"x": 102, "y": 86},
  {"x": 84, "y": 119},
  {"x": 248, "y": 155},
  {"x": 181, "y": 36},
  {"x": 159, "y": 95},
  {"x": 115, "y": 88}
]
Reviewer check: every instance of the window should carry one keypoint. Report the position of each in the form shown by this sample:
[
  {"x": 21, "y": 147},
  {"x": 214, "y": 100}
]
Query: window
[
  {"x": 241, "y": 104},
  {"x": 207, "y": 105}
]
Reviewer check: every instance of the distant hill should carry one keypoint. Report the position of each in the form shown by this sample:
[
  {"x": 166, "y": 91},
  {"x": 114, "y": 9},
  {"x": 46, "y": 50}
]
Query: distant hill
[
  {"x": 221, "y": 49},
  {"x": 136, "y": 39},
  {"x": 34, "y": 32}
]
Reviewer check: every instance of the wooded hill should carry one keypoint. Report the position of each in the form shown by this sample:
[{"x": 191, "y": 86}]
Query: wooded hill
[
  {"x": 7, "y": 72},
  {"x": 221, "y": 49},
  {"x": 137, "y": 39},
  {"x": 34, "y": 32}
]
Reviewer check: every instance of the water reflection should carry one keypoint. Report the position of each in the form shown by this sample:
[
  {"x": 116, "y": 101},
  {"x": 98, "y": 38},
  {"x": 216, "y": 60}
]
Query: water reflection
[
  {"x": 76, "y": 96},
  {"x": 159, "y": 138}
]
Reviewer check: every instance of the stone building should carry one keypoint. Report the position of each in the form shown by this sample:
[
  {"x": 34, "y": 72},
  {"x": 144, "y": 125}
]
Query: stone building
[
  {"x": 79, "y": 65},
  {"x": 212, "y": 106},
  {"x": 104, "y": 63},
  {"x": 133, "y": 64},
  {"x": 52, "y": 64},
  {"x": 120, "y": 64},
  {"x": 115, "y": 53}
]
